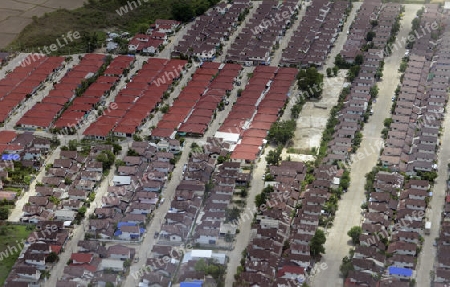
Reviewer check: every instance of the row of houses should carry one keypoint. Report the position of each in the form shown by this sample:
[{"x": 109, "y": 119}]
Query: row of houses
[
  {"x": 135, "y": 103},
  {"x": 361, "y": 26},
  {"x": 96, "y": 264},
  {"x": 193, "y": 110},
  {"x": 262, "y": 32},
  {"x": 316, "y": 34},
  {"x": 394, "y": 223},
  {"x": 187, "y": 223},
  {"x": 392, "y": 231},
  {"x": 123, "y": 215},
  {"x": 155, "y": 38},
  {"x": 279, "y": 253},
  {"x": 256, "y": 109},
  {"x": 357, "y": 103},
  {"x": 50, "y": 237},
  {"x": 209, "y": 32},
  {"x": 440, "y": 74},
  {"x": 44, "y": 113},
  {"x": 26, "y": 80},
  {"x": 77, "y": 113}
]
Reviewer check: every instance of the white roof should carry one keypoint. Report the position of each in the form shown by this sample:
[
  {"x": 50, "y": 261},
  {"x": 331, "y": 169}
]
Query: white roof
[
  {"x": 227, "y": 137},
  {"x": 447, "y": 5},
  {"x": 201, "y": 253},
  {"x": 121, "y": 180}
]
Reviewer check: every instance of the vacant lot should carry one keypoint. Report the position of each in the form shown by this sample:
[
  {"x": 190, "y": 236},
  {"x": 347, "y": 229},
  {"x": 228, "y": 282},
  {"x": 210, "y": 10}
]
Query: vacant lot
[
  {"x": 11, "y": 237},
  {"x": 17, "y": 14}
]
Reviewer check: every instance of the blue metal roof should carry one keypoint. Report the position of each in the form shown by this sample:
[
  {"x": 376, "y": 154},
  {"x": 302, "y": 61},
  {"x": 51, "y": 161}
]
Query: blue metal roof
[
  {"x": 400, "y": 271},
  {"x": 191, "y": 284}
]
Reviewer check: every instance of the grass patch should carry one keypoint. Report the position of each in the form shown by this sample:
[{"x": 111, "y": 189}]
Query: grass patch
[
  {"x": 301, "y": 151},
  {"x": 8, "y": 236}
]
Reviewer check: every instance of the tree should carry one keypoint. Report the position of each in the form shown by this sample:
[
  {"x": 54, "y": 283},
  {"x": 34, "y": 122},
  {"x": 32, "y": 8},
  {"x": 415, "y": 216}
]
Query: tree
[
  {"x": 107, "y": 159},
  {"x": 273, "y": 157},
  {"x": 182, "y": 11},
  {"x": 232, "y": 214},
  {"x": 346, "y": 266},
  {"x": 370, "y": 35},
  {"x": 354, "y": 233},
  {"x": 281, "y": 132},
  {"x": 359, "y": 59},
  {"x": 52, "y": 257},
  {"x": 73, "y": 145},
  {"x": 165, "y": 109},
  {"x": 311, "y": 82},
  {"x": 317, "y": 242},
  {"x": 132, "y": 152},
  {"x": 335, "y": 70},
  {"x": 4, "y": 212},
  {"x": 82, "y": 211}
]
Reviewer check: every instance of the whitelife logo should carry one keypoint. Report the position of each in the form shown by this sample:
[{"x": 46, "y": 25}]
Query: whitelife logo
[{"x": 44, "y": 51}]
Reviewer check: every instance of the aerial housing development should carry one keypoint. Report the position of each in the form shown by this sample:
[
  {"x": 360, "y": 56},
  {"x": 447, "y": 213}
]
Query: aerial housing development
[{"x": 270, "y": 143}]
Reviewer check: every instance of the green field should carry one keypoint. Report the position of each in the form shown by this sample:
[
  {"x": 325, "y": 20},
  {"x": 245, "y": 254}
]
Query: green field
[
  {"x": 99, "y": 16},
  {"x": 11, "y": 237}
]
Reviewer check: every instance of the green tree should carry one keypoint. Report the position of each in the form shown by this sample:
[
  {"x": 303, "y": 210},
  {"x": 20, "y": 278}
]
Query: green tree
[
  {"x": 359, "y": 60},
  {"x": 273, "y": 157},
  {"x": 282, "y": 132},
  {"x": 182, "y": 11},
  {"x": 107, "y": 159},
  {"x": 316, "y": 243},
  {"x": 310, "y": 81},
  {"x": 346, "y": 266},
  {"x": 329, "y": 72},
  {"x": 4, "y": 212},
  {"x": 370, "y": 35},
  {"x": 73, "y": 145},
  {"x": 354, "y": 234},
  {"x": 132, "y": 152},
  {"x": 52, "y": 257}
]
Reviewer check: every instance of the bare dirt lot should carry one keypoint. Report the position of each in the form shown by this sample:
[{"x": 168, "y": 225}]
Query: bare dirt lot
[{"x": 17, "y": 14}]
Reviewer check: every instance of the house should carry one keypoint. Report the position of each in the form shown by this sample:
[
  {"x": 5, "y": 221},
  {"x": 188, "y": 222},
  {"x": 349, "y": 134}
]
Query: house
[
  {"x": 29, "y": 273},
  {"x": 112, "y": 264},
  {"x": 35, "y": 259},
  {"x": 120, "y": 252},
  {"x": 129, "y": 232},
  {"x": 81, "y": 258}
]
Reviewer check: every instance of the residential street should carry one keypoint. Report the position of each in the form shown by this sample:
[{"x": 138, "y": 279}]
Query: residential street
[
  {"x": 78, "y": 233},
  {"x": 348, "y": 215},
  {"x": 168, "y": 193},
  {"x": 16, "y": 213},
  {"x": 426, "y": 260}
]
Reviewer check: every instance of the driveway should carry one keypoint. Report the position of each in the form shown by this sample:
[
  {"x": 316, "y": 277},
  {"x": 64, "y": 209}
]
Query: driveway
[{"x": 349, "y": 213}]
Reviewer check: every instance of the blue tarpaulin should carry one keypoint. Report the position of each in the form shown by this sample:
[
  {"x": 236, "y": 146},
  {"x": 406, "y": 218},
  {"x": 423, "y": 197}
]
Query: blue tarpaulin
[
  {"x": 192, "y": 284},
  {"x": 406, "y": 272}
]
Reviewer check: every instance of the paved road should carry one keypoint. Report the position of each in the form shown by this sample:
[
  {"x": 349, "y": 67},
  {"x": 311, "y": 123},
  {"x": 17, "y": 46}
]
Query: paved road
[
  {"x": 287, "y": 37},
  {"x": 16, "y": 213},
  {"x": 168, "y": 193},
  {"x": 349, "y": 212},
  {"x": 243, "y": 238},
  {"x": 233, "y": 37},
  {"x": 339, "y": 43},
  {"x": 427, "y": 256},
  {"x": 174, "y": 41},
  {"x": 145, "y": 129},
  {"x": 12, "y": 64},
  {"x": 78, "y": 233}
]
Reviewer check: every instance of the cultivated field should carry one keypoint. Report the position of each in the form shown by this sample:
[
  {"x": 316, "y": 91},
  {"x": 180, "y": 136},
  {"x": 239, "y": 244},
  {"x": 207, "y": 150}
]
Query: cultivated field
[{"x": 16, "y": 15}]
